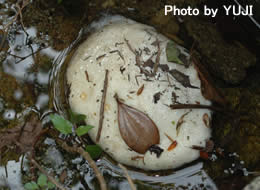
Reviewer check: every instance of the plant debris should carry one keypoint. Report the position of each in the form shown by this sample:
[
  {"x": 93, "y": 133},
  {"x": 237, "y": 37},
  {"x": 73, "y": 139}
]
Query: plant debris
[
  {"x": 23, "y": 136},
  {"x": 173, "y": 53},
  {"x": 156, "y": 149},
  {"x": 102, "y": 106},
  {"x": 181, "y": 78},
  {"x": 136, "y": 128},
  {"x": 206, "y": 120},
  {"x": 173, "y": 144},
  {"x": 156, "y": 97},
  {"x": 180, "y": 122},
  {"x": 100, "y": 57},
  {"x": 140, "y": 90}
]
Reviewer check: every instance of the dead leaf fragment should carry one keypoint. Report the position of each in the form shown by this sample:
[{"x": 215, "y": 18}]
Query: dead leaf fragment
[
  {"x": 136, "y": 128},
  {"x": 181, "y": 78},
  {"x": 206, "y": 120},
  {"x": 180, "y": 122},
  {"x": 140, "y": 90},
  {"x": 24, "y": 136},
  {"x": 172, "y": 145}
]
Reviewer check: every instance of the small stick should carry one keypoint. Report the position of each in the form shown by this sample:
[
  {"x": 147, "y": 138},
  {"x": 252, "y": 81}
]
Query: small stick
[
  {"x": 137, "y": 59},
  {"x": 130, "y": 181},
  {"x": 50, "y": 178},
  {"x": 119, "y": 53},
  {"x": 100, "y": 57},
  {"x": 87, "y": 77},
  {"x": 169, "y": 137},
  {"x": 91, "y": 162},
  {"x": 101, "y": 112},
  {"x": 195, "y": 106},
  {"x": 157, "y": 59}
]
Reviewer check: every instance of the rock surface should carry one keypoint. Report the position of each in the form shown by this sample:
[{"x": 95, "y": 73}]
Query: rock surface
[{"x": 121, "y": 47}]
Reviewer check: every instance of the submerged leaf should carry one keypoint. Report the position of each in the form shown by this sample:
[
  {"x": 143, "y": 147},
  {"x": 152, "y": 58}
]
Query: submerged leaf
[
  {"x": 82, "y": 130},
  {"x": 180, "y": 122},
  {"x": 136, "y": 128},
  {"x": 61, "y": 124},
  {"x": 181, "y": 78},
  {"x": 94, "y": 151},
  {"x": 173, "y": 53}
]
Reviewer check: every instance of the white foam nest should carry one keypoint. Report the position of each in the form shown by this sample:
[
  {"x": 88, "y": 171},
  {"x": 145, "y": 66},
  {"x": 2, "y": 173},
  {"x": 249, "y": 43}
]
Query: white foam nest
[{"x": 107, "y": 49}]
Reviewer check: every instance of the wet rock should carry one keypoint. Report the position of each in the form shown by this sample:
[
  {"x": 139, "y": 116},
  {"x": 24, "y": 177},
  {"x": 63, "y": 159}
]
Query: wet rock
[
  {"x": 225, "y": 60},
  {"x": 241, "y": 134}
]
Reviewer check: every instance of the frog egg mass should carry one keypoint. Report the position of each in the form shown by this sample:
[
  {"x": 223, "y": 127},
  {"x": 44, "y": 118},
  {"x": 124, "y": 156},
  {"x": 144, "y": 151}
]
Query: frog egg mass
[{"x": 122, "y": 80}]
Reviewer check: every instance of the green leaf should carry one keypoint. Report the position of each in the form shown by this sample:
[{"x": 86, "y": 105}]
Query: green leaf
[
  {"x": 61, "y": 124},
  {"x": 76, "y": 118},
  {"x": 50, "y": 185},
  {"x": 82, "y": 130},
  {"x": 94, "y": 151},
  {"x": 173, "y": 122},
  {"x": 59, "y": 1},
  {"x": 31, "y": 186},
  {"x": 42, "y": 180},
  {"x": 172, "y": 53}
]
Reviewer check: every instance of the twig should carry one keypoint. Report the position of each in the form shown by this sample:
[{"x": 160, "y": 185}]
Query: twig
[
  {"x": 91, "y": 162},
  {"x": 195, "y": 106},
  {"x": 25, "y": 57},
  {"x": 51, "y": 178},
  {"x": 157, "y": 59},
  {"x": 137, "y": 59},
  {"x": 101, "y": 112},
  {"x": 130, "y": 181},
  {"x": 19, "y": 12}
]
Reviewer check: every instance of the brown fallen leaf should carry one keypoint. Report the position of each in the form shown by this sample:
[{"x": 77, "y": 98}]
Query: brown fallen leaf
[
  {"x": 207, "y": 89},
  {"x": 180, "y": 122},
  {"x": 181, "y": 78},
  {"x": 140, "y": 90},
  {"x": 136, "y": 128},
  {"x": 173, "y": 144},
  {"x": 24, "y": 136}
]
